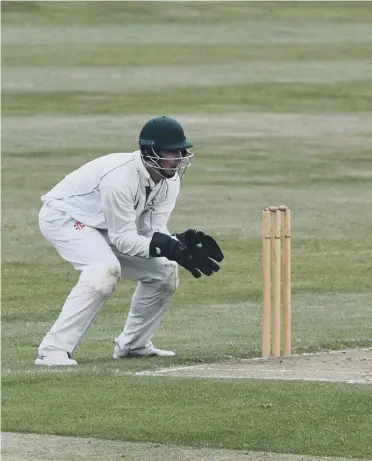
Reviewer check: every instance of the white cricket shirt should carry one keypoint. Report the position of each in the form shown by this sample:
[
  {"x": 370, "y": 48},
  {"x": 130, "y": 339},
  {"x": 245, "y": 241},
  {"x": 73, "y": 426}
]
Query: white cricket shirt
[{"x": 115, "y": 192}]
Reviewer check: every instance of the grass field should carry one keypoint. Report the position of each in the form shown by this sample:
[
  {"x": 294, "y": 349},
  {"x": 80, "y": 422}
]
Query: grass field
[{"x": 277, "y": 98}]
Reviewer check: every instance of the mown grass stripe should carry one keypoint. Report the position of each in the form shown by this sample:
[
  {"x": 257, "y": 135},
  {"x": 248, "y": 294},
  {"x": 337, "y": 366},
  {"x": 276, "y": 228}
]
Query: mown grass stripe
[
  {"x": 171, "y": 54},
  {"x": 349, "y": 97}
]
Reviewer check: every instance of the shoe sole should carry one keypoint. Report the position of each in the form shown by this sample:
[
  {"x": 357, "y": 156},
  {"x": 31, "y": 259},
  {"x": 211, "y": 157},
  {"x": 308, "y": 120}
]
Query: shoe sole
[
  {"x": 131, "y": 355},
  {"x": 42, "y": 363}
]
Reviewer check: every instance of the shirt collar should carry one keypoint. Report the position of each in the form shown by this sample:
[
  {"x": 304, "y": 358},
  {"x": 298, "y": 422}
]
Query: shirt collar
[
  {"x": 143, "y": 170},
  {"x": 140, "y": 166}
]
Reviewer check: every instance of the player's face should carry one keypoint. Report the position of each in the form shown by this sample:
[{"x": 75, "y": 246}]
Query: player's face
[{"x": 170, "y": 162}]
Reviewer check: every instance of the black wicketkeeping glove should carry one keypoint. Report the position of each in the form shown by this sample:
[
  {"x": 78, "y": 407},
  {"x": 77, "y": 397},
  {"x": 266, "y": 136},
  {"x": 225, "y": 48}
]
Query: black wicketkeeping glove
[
  {"x": 204, "y": 250},
  {"x": 170, "y": 248}
]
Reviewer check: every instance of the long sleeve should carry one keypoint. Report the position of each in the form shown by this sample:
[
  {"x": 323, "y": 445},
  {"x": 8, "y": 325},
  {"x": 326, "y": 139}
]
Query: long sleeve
[{"x": 119, "y": 208}]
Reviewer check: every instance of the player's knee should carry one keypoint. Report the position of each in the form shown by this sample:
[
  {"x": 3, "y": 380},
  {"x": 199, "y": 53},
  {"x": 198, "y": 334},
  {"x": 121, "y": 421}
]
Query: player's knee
[
  {"x": 168, "y": 279},
  {"x": 102, "y": 278}
]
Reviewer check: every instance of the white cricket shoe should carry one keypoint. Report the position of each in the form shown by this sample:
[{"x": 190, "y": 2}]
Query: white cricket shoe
[
  {"x": 54, "y": 359},
  {"x": 141, "y": 352}
]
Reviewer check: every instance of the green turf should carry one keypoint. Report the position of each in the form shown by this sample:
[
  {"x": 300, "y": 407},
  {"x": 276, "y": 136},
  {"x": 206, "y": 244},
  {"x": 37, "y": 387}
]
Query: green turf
[
  {"x": 117, "y": 55},
  {"x": 278, "y": 101},
  {"x": 181, "y": 13},
  {"x": 323, "y": 419},
  {"x": 347, "y": 97}
]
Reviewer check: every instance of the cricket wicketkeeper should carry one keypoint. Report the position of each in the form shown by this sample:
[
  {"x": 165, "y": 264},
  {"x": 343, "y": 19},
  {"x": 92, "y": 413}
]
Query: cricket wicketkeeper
[{"x": 109, "y": 219}]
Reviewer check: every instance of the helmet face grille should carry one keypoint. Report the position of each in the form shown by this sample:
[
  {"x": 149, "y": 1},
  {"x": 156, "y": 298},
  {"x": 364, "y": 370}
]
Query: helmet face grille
[{"x": 152, "y": 159}]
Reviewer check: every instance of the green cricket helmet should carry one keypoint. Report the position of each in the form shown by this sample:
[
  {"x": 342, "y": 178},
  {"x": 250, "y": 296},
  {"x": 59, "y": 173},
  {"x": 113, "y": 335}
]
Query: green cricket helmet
[{"x": 164, "y": 134}]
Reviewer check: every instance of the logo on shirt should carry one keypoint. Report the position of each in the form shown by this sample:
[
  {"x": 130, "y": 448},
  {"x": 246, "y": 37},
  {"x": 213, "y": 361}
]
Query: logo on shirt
[{"x": 78, "y": 225}]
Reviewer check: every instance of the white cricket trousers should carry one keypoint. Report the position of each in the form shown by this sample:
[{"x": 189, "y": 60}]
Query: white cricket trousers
[{"x": 101, "y": 267}]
